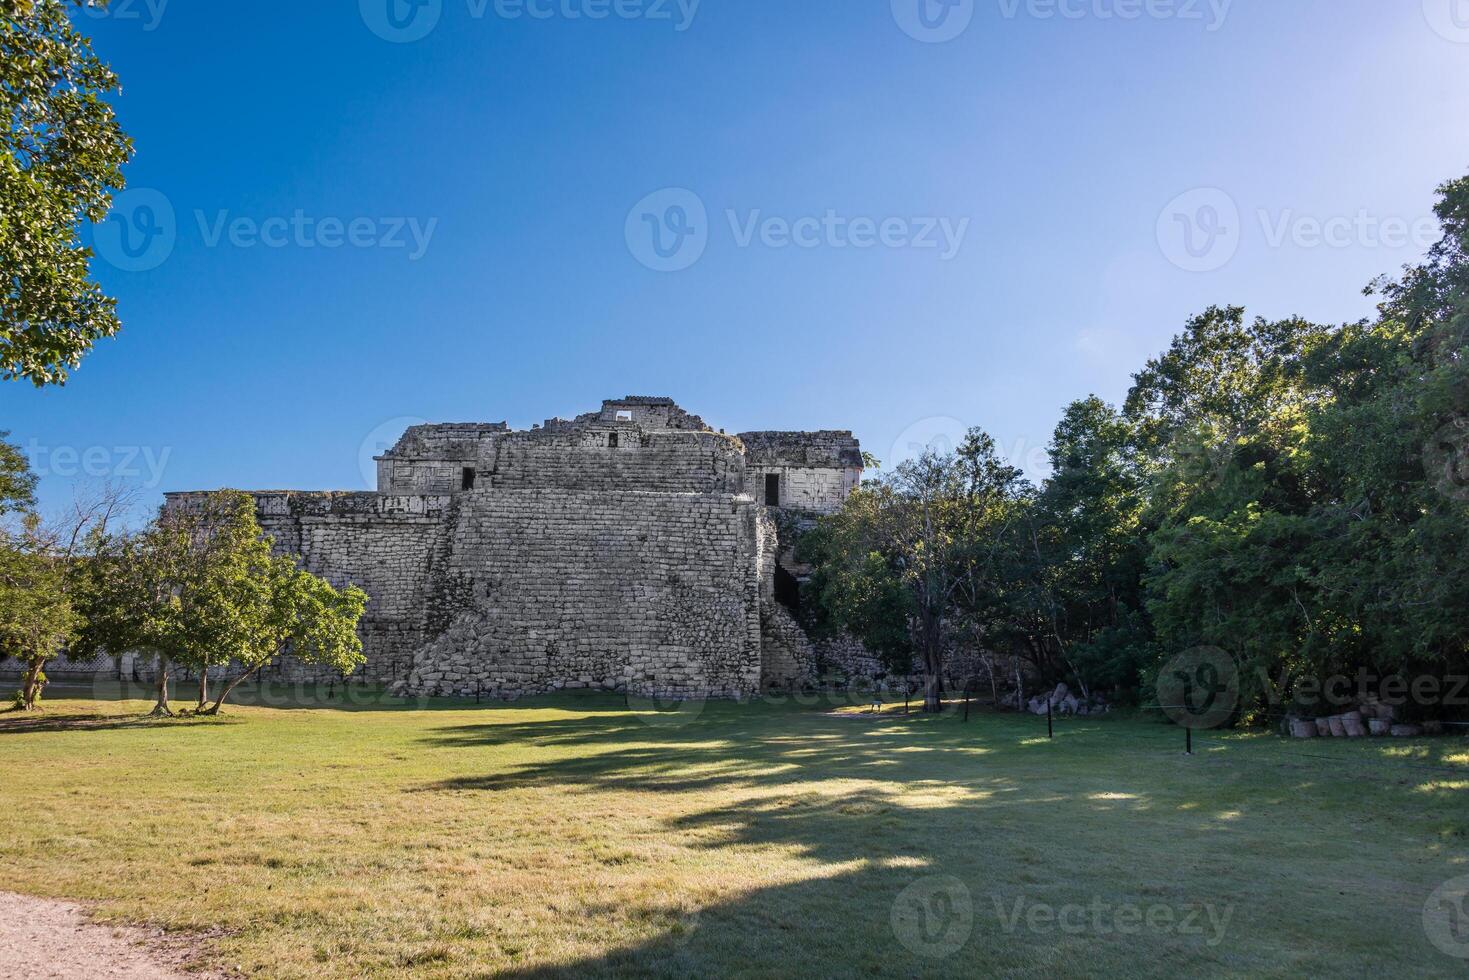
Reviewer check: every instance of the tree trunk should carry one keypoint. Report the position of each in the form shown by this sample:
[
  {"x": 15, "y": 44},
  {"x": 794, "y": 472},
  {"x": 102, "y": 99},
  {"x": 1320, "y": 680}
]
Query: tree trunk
[
  {"x": 31, "y": 685},
  {"x": 933, "y": 689},
  {"x": 228, "y": 688},
  {"x": 989, "y": 666},
  {"x": 161, "y": 709},
  {"x": 933, "y": 660},
  {"x": 203, "y": 689}
]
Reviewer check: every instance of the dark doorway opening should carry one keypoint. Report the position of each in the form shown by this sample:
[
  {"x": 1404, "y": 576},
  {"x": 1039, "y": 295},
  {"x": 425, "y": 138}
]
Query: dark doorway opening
[
  {"x": 772, "y": 489},
  {"x": 612, "y": 441},
  {"x": 467, "y": 482},
  {"x": 788, "y": 591}
]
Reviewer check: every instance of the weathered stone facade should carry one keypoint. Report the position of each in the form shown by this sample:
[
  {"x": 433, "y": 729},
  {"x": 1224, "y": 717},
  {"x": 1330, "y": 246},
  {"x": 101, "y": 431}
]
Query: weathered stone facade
[{"x": 631, "y": 548}]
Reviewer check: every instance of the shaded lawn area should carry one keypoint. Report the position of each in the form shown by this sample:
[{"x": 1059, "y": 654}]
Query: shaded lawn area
[{"x": 574, "y": 837}]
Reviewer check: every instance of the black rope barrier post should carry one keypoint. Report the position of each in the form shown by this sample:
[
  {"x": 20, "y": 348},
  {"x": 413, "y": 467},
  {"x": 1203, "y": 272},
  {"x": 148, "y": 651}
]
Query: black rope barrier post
[
  {"x": 1188, "y": 740},
  {"x": 1050, "y": 721},
  {"x": 966, "y": 702},
  {"x": 478, "y": 691}
]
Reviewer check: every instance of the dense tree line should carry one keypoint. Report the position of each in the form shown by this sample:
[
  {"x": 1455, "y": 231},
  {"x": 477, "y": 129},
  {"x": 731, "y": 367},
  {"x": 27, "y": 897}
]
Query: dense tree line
[
  {"x": 198, "y": 588},
  {"x": 1294, "y": 494}
]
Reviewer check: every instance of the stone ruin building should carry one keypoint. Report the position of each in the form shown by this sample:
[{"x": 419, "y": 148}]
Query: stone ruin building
[{"x": 632, "y": 548}]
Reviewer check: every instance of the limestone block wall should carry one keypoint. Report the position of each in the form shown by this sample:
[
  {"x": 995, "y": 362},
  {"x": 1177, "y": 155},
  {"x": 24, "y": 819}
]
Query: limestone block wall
[
  {"x": 512, "y": 592},
  {"x": 386, "y": 545},
  {"x": 817, "y": 470},
  {"x": 647, "y": 412},
  {"x": 671, "y": 462},
  {"x": 845, "y": 656},
  {"x": 431, "y": 458},
  {"x": 389, "y": 556},
  {"x": 658, "y": 594},
  {"x": 787, "y": 659},
  {"x": 817, "y": 490}
]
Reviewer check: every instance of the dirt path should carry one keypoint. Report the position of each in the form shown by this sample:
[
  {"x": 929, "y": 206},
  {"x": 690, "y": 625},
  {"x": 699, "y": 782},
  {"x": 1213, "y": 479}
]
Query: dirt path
[{"x": 45, "y": 939}]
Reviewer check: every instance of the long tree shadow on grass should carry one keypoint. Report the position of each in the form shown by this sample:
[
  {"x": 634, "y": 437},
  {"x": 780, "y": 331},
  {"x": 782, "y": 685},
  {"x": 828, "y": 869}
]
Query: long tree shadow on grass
[
  {"x": 25, "y": 723},
  {"x": 916, "y": 841}
]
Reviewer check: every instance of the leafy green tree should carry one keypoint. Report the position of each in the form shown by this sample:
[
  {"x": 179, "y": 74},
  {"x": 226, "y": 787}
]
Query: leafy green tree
[
  {"x": 1389, "y": 440},
  {"x": 907, "y": 561},
  {"x": 63, "y": 156},
  {"x": 174, "y": 588},
  {"x": 1084, "y": 555},
  {"x": 290, "y": 610},
  {"x": 37, "y": 618},
  {"x": 17, "y": 482},
  {"x": 200, "y": 588},
  {"x": 1294, "y": 493}
]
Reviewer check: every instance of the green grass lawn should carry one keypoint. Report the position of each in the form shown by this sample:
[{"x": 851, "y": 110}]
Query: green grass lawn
[{"x": 576, "y": 837}]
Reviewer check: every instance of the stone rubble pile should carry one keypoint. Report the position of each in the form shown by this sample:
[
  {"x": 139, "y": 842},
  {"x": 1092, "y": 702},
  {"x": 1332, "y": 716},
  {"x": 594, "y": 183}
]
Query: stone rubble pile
[
  {"x": 1061, "y": 701},
  {"x": 1371, "y": 718}
]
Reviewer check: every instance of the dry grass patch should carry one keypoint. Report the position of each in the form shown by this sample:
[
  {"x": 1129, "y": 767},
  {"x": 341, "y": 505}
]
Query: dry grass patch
[{"x": 574, "y": 837}]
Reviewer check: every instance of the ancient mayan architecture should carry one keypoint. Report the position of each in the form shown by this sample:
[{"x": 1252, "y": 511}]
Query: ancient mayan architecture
[{"x": 632, "y": 548}]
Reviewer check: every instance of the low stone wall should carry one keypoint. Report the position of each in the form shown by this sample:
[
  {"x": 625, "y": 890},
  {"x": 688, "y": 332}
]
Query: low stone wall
[{"x": 845, "y": 656}]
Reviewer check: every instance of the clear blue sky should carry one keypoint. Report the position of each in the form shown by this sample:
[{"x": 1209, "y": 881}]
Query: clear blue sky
[{"x": 525, "y": 145}]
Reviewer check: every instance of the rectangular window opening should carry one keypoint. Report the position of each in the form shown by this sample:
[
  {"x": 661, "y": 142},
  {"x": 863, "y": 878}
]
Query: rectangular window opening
[
  {"x": 624, "y": 416},
  {"x": 772, "y": 489},
  {"x": 467, "y": 483},
  {"x": 612, "y": 441}
]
